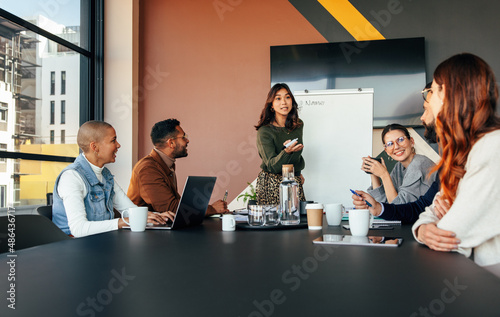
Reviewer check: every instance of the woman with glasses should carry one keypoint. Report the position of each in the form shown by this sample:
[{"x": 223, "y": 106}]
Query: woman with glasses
[
  {"x": 408, "y": 180},
  {"x": 279, "y": 124},
  {"x": 464, "y": 104}
]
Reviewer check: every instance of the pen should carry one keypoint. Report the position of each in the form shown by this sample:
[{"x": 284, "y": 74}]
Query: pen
[
  {"x": 225, "y": 196},
  {"x": 352, "y": 191}
]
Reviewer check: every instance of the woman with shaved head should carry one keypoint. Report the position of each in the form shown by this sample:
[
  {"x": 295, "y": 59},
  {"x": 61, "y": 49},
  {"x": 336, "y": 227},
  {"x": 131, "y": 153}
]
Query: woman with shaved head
[{"x": 85, "y": 192}]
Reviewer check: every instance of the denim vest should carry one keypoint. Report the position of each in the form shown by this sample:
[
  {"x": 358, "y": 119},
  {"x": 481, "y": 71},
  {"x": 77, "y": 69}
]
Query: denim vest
[{"x": 99, "y": 199}]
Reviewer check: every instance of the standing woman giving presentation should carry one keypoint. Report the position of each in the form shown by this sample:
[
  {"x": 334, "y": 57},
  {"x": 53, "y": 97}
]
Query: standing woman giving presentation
[{"x": 279, "y": 124}]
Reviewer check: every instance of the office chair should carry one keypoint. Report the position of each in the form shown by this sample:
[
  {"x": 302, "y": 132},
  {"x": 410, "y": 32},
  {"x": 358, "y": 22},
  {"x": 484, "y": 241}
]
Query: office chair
[
  {"x": 45, "y": 211},
  {"x": 30, "y": 231}
]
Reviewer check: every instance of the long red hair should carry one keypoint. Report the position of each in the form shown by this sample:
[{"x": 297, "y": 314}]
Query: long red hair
[{"x": 468, "y": 113}]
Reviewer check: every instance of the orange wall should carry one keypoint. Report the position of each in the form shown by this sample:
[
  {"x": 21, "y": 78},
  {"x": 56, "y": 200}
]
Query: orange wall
[{"x": 210, "y": 69}]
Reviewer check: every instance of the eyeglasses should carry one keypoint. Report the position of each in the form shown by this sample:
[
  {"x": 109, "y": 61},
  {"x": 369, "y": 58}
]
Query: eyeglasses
[
  {"x": 426, "y": 92},
  {"x": 185, "y": 137},
  {"x": 399, "y": 141}
]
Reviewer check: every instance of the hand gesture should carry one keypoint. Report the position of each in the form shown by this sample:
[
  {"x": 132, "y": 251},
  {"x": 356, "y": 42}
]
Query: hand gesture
[
  {"x": 437, "y": 239},
  {"x": 294, "y": 147},
  {"x": 220, "y": 207},
  {"x": 373, "y": 166},
  {"x": 441, "y": 206},
  {"x": 360, "y": 203}
]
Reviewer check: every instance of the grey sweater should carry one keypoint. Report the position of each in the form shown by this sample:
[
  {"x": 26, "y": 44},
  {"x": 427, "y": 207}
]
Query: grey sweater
[{"x": 410, "y": 183}]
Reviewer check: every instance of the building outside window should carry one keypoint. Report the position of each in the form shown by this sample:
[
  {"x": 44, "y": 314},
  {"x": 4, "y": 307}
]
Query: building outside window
[
  {"x": 52, "y": 83},
  {"x": 52, "y": 136},
  {"x": 63, "y": 136},
  {"x": 63, "y": 82}
]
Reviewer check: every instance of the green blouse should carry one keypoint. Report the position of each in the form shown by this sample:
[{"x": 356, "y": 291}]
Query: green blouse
[{"x": 270, "y": 141}]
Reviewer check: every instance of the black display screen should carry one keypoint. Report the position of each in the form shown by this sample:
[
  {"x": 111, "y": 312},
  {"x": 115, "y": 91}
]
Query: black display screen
[{"x": 395, "y": 69}]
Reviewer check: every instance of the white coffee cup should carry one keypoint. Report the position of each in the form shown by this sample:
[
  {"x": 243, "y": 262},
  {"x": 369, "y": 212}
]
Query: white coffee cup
[
  {"x": 334, "y": 214},
  {"x": 360, "y": 221},
  {"x": 138, "y": 218},
  {"x": 228, "y": 222}
]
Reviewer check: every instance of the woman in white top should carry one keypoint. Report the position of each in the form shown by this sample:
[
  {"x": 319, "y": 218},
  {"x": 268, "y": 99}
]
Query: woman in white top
[
  {"x": 463, "y": 103},
  {"x": 85, "y": 193}
]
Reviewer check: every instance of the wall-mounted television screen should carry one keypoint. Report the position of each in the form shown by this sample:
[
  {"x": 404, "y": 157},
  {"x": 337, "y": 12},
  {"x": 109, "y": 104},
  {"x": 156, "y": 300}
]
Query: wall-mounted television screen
[{"x": 395, "y": 69}]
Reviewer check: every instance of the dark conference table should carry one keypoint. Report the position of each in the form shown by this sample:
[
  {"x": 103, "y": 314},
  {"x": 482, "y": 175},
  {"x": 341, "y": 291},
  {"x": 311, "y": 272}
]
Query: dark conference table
[{"x": 203, "y": 271}]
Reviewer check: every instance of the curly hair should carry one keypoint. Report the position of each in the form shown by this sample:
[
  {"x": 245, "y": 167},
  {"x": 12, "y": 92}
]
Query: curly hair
[
  {"x": 467, "y": 114},
  {"x": 267, "y": 115}
]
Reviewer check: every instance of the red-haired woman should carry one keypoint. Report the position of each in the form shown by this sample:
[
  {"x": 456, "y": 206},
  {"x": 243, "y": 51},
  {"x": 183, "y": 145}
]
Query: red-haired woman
[{"x": 463, "y": 101}]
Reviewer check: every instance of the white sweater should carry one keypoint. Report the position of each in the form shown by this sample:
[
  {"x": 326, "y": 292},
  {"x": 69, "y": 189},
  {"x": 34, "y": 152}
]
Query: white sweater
[
  {"x": 72, "y": 191},
  {"x": 475, "y": 214}
]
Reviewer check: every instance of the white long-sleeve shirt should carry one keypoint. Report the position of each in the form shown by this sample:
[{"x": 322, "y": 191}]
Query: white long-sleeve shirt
[
  {"x": 72, "y": 191},
  {"x": 475, "y": 214}
]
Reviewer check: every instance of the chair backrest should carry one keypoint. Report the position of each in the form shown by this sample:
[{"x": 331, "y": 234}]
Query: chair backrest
[
  {"x": 50, "y": 198},
  {"x": 30, "y": 231},
  {"x": 45, "y": 211}
]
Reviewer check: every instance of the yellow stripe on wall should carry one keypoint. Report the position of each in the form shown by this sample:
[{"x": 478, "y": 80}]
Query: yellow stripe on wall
[{"x": 352, "y": 20}]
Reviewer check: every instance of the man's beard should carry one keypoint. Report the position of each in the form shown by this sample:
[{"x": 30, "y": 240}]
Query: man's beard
[
  {"x": 180, "y": 152},
  {"x": 430, "y": 132}
]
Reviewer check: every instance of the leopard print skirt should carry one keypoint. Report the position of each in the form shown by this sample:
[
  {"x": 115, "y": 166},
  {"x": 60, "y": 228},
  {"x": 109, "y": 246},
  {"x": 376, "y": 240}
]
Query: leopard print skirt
[{"x": 268, "y": 188}]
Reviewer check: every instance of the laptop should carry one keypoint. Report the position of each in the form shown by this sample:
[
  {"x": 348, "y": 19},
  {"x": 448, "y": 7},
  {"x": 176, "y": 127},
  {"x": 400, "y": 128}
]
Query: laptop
[{"x": 193, "y": 204}]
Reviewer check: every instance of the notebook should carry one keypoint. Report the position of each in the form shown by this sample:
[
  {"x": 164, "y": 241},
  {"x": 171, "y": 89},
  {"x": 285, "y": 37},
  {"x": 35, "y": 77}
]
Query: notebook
[{"x": 193, "y": 204}]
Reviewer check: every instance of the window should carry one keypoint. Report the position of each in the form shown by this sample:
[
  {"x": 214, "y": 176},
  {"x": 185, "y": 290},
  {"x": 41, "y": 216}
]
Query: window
[
  {"x": 52, "y": 112},
  {"x": 52, "y": 83},
  {"x": 3, "y": 115},
  {"x": 3, "y": 197},
  {"x": 4, "y": 108},
  {"x": 39, "y": 49},
  {"x": 63, "y": 111},
  {"x": 63, "y": 82},
  {"x": 3, "y": 147}
]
